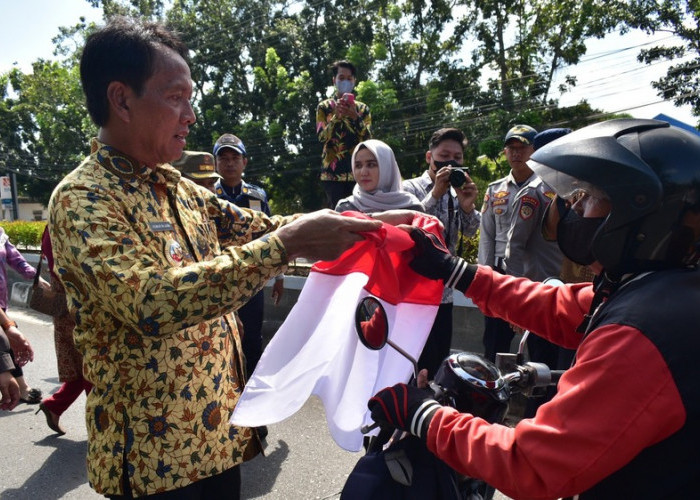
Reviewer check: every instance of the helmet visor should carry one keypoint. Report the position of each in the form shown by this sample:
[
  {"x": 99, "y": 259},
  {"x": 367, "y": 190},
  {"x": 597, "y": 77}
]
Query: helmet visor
[{"x": 567, "y": 187}]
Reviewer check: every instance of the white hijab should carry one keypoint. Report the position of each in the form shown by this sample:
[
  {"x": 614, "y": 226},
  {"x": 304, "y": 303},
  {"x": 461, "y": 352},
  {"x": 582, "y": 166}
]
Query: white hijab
[{"x": 389, "y": 193}]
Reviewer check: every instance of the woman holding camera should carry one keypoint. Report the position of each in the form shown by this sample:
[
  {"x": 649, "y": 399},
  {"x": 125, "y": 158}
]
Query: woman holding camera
[{"x": 377, "y": 181}]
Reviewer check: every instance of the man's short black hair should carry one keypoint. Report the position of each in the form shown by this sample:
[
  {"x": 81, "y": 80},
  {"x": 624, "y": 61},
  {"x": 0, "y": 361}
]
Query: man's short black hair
[
  {"x": 448, "y": 134},
  {"x": 123, "y": 50},
  {"x": 343, "y": 64}
]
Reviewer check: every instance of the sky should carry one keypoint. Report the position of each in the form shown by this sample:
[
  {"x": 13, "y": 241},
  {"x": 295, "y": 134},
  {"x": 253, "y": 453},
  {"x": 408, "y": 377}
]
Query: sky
[{"x": 609, "y": 76}]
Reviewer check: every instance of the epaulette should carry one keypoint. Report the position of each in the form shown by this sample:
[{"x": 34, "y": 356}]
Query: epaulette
[{"x": 254, "y": 191}]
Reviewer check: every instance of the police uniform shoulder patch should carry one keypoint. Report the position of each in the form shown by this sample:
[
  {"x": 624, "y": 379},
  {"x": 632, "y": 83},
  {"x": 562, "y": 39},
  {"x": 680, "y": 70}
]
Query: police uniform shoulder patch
[{"x": 528, "y": 204}]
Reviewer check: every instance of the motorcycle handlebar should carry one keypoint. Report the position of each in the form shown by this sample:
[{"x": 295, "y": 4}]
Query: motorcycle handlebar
[{"x": 556, "y": 375}]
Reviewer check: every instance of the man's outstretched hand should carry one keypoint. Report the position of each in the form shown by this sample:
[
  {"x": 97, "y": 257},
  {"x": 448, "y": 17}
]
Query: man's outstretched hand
[{"x": 323, "y": 235}]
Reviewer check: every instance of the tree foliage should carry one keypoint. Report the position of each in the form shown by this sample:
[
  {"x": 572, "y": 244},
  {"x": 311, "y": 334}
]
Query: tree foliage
[
  {"x": 680, "y": 18},
  {"x": 260, "y": 67}
]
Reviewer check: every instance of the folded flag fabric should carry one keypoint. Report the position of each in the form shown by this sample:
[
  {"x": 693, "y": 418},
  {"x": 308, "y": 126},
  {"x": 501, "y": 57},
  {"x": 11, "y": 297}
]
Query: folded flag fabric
[{"x": 316, "y": 351}]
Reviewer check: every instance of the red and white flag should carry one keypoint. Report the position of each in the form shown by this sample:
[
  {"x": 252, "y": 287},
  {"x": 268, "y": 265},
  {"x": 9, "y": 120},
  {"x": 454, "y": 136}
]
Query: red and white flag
[{"x": 316, "y": 351}]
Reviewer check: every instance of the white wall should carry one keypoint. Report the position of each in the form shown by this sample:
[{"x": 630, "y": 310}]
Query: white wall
[{"x": 26, "y": 211}]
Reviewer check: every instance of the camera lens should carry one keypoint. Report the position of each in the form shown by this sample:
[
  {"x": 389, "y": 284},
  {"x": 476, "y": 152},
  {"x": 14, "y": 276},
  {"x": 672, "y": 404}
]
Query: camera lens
[{"x": 457, "y": 178}]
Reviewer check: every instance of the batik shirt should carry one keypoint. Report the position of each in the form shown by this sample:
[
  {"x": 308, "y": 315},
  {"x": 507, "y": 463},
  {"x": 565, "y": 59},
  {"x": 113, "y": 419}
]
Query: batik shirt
[
  {"x": 153, "y": 268},
  {"x": 339, "y": 137}
]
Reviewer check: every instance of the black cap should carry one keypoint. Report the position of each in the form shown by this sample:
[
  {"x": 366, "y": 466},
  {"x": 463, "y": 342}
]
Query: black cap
[{"x": 524, "y": 133}]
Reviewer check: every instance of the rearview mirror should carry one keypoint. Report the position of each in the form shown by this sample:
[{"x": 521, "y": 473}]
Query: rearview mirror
[
  {"x": 371, "y": 323},
  {"x": 372, "y": 327}
]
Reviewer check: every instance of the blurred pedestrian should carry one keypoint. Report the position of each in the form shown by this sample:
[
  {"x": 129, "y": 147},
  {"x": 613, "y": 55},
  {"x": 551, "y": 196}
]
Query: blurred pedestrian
[
  {"x": 10, "y": 256},
  {"x": 69, "y": 360},
  {"x": 11, "y": 339}
]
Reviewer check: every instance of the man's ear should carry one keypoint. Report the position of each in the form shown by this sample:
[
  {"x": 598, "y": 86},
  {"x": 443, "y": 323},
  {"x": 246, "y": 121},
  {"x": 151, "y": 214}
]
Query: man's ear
[
  {"x": 118, "y": 95},
  {"x": 428, "y": 157},
  {"x": 245, "y": 162}
]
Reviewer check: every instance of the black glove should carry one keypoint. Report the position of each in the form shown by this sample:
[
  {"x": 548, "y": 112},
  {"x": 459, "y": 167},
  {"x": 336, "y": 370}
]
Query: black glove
[
  {"x": 405, "y": 407},
  {"x": 432, "y": 260}
]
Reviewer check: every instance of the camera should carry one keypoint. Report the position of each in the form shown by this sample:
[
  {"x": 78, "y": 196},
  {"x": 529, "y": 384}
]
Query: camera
[{"x": 458, "y": 177}]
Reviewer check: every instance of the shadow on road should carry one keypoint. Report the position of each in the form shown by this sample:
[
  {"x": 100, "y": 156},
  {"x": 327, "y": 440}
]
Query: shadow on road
[
  {"x": 259, "y": 475},
  {"x": 63, "y": 471}
]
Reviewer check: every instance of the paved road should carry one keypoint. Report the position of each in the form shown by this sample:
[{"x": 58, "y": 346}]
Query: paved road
[{"x": 302, "y": 462}]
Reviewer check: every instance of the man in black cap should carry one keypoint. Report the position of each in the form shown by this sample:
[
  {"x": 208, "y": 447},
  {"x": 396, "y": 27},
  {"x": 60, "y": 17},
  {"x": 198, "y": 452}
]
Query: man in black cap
[
  {"x": 199, "y": 167},
  {"x": 496, "y": 215},
  {"x": 231, "y": 160}
]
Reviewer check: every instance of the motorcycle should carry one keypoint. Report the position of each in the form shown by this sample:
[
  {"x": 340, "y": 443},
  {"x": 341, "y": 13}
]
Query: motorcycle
[{"x": 397, "y": 465}]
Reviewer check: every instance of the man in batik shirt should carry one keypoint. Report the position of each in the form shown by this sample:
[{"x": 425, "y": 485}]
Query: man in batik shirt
[
  {"x": 154, "y": 267},
  {"x": 341, "y": 124}
]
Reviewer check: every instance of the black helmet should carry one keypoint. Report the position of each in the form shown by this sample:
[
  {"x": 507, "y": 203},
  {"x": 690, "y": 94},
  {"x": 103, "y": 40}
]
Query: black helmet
[
  {"x": 472, "y": 384},
  {"x": 650, "y": 172}
]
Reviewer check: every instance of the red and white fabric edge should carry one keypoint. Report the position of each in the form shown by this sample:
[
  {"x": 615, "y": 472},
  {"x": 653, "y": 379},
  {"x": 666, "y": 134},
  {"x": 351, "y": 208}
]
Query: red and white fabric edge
[{"x": 316, "y": 350}]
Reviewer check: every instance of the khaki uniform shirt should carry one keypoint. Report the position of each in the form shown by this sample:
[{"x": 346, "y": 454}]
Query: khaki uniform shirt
[
  {"x": 528, "y": 254},
  {"x": 153, "y": 267},
  {"x": 495, "y": 221}
]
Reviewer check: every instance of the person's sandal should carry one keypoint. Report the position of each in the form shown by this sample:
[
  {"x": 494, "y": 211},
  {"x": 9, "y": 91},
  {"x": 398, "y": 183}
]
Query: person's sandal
[
  {"x": 33, "y": 397},
  {"x": 51, "y": 419}
]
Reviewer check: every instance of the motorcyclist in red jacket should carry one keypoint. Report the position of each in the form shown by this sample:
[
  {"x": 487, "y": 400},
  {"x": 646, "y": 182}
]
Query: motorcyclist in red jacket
[{"x": 625, "y": 422}]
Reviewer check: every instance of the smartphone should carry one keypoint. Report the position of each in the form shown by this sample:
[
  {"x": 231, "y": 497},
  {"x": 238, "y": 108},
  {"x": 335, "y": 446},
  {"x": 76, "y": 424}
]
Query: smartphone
[{"x": 349, "y": 98}]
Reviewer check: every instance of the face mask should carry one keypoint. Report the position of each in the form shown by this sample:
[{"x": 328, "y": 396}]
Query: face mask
[
  {"x": 448, "y": 163},
  {"x": 344, "y": 86},
  {"x": 575, "y": 236}
]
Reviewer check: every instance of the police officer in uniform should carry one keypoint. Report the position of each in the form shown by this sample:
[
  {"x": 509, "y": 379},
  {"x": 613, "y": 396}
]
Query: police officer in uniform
[
  {"x": 496, "y": 214},
  {"x": 231, "y": 160},
  {"x": 529, "y": 254}
]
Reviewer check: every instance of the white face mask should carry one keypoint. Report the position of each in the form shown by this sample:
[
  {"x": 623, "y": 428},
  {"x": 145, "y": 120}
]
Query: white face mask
[{"x": 344, "y": 86}]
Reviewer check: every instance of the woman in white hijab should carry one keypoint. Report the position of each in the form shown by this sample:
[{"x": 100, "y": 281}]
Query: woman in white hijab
[{"x": 377, "y": 181}]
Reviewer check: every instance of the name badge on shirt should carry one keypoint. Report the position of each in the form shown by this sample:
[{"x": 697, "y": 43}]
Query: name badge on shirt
[
  {"x": 256, "y": 205},
  {"x": 161, "y": 226}
]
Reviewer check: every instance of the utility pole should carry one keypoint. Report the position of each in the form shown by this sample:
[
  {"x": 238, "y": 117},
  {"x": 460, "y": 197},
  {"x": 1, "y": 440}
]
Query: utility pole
[{"x": 15, "y": 203}]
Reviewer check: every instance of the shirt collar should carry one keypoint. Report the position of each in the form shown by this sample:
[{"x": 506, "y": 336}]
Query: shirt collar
[{"x": 129, "y": 169}]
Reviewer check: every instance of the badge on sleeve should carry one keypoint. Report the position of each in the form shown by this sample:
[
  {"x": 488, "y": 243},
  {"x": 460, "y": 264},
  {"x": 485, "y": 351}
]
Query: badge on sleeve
[
  {"x": 528, "y": 204},
  {"x": 255, "y": 205},
  {"x": 173, "y": 252}
]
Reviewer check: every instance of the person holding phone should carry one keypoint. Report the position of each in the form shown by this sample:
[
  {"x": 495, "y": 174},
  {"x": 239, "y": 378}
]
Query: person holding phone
[{"x": 342, "y": 122}]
